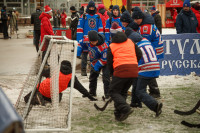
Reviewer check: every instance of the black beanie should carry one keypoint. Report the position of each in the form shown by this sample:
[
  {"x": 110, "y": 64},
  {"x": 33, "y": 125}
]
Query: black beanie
[
  {"x": 134, "y": 36},
  {"x": 123, "y": 9},
  {"x": 119, "y": 37},
  {"x": 72, "y": 8},
  {"x": 66, "y": 67},
  {"x": 137, "y": 13},
  {"x": 93, "y": 35},
  {"x": 91, "y": 4},
  {"x": 125, "y": 17}
]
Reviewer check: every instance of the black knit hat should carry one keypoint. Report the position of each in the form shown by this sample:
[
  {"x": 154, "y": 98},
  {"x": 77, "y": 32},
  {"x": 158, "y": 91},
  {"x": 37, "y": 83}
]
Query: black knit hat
[
  {"x": 72, "y": 8},
  {"x": 123, "y": 9},
  {"x": 111, "y": 6},
  {"x": 119, "y": 37},
  {"x": 137, "y": 13},
  {"x": 130, "y": 33},
  {"x": 93, "y": 35},
  {"x": 125, "y": 17},
  {"x": 91, "y": 4},
  {"x": 66, "y": 67}
]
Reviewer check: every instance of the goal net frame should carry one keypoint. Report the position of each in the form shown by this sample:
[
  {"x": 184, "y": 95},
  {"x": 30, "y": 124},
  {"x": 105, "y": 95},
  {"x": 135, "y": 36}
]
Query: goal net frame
[{"x": 53, "y": 40}]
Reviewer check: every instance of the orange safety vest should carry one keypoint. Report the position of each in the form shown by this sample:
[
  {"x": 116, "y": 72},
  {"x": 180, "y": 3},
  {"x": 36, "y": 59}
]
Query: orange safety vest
[
  {"x": 123, "y": 53},
  {"x": 44, "y": 87}
]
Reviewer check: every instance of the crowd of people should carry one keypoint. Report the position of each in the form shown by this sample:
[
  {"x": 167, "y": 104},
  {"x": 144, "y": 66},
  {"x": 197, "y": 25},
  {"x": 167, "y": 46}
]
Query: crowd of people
[
  {"x": 8, "y": 19},
  {"x": 125, "y": 46}
]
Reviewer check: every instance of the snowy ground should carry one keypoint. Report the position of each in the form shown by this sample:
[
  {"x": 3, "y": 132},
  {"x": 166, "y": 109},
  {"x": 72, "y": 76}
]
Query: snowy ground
[{"x": 178, "y": 92}]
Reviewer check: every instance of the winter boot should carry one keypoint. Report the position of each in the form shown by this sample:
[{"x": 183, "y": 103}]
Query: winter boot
[
  {"x": 124, "y": 116},
  {"x": 158, "y": 109},
  {"x": 83, "y": 72}
]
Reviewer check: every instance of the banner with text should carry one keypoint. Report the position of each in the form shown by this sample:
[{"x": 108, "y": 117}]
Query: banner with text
[{"x": 182, "y": 54}]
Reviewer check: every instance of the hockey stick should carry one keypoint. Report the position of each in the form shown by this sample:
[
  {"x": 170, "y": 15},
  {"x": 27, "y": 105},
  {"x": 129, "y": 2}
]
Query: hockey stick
[
  {"x": 104, "y": 107},
  {"x": 188, "y": 112},
  {"x": 190, "y": 125}
]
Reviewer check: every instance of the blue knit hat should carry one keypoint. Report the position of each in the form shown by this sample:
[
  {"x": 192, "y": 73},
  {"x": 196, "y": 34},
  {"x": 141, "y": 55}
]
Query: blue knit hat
[
  {"x": 186, "y": 3},
  {"x": 153, "y": 8}
]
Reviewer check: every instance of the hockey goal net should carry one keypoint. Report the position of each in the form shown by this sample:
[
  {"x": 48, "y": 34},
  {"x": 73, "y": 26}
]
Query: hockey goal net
[{"x": 54, "y": 115}]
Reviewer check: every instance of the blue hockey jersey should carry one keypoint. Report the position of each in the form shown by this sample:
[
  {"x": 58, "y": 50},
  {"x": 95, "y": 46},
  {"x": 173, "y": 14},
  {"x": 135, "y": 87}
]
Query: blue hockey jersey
[
  {"x": 151, "y": 32},
  {"x": 108, "y": 26},
  {"x": 148, "y": 64},
  {"x": 97, "y": 54},
  {"x": 87, "y": 23}
]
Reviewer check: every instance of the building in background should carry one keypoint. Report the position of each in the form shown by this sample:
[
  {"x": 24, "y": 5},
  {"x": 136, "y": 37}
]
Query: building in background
[{"x": 26, "y": 7}]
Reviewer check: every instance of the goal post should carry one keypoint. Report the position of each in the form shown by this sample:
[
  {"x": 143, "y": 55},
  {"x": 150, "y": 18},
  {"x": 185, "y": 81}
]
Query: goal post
[{"x": 55, "y": 115}]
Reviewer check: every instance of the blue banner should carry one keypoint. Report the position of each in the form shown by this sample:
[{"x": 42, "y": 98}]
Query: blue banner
[{"x": 182, "y": 54}]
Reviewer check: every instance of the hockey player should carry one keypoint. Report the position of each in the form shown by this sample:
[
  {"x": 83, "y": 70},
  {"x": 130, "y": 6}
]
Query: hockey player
[
  {"x": 87, "y": 22},
  {"x": 148, "y": 29},
  {"x": 123, "y": 66},
  {"x": 65, "y": 75},
  {"x": 98, "y": 58},
  {"x": 127, "y": 21},
  {"x": 149, "y": 69},
  {"x": 115, "y": 18},
  {"x": 46, "y": 28}
]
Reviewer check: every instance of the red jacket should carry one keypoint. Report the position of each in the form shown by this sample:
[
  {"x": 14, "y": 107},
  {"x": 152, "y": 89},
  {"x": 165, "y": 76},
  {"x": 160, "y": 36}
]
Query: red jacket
[
  {"x": 104, "y": 18},
  {"x": 44, "y": 88},
  {"x": 46, "y": 28},
  {"x": 63, "y": 17},
  {"x": 197, "y": 14}
]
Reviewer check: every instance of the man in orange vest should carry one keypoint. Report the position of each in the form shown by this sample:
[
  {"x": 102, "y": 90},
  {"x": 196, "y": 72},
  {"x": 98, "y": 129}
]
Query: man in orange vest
[{"x": 122, "y": 61}]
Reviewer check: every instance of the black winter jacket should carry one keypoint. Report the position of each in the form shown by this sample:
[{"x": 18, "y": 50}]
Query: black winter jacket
[
  {"x": 186, "y": 22},
  {"x": 74, "y": 21},
  {"x": 35, "y": 19},
  {"x": 158, "y": 21}
]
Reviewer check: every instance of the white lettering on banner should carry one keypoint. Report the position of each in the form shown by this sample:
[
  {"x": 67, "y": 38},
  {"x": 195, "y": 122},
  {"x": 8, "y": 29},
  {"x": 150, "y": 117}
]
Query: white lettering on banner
[
  {"x": 180, "y": 64},
  {"x": 196, "y": 41},
  {"x": 168, "y": 45},
  {"x": 181, "y": 49}
]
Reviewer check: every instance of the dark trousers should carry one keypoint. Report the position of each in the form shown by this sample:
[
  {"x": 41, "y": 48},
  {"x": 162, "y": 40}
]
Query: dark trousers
[
  {"x": 36, "y": 39},
  {"x": 93, "y": 80},
  {"x": 84, "y": 60},
  {"x": 73, "y": 34},
  {"x": 118, "y": 93},
  {"x": 5, "y": 29},
  {"x": 139, "y": 93},
  {"x": 153, "y": 87}
]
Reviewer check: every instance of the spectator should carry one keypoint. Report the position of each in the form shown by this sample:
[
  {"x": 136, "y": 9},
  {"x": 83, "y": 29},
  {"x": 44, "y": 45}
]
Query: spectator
[
  {"x": 195, "y": 9},
  {"x": 157, "y": 18},
  {"x": 55, "y": 19},
  {"x": 74, "y": 22},
  {"x": 4, "y": 18},
  {"x": 46, "y": 28},
  {"x": 123, "y": 9},
  {"x": 186, "y": 21},
  {"x": 36, "y": 21},
  {"x": 110, "y": 11},
  {"x": 103, "y": 15},
  {"x": 59, "y": 18},
  {"x": 175, "y": 13},
  {"x": 1, "y": 25},
  {"x": 63, "y": 19},
  {"x": 12, "y": 22},
  {"x": 81, "y": 11}
]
